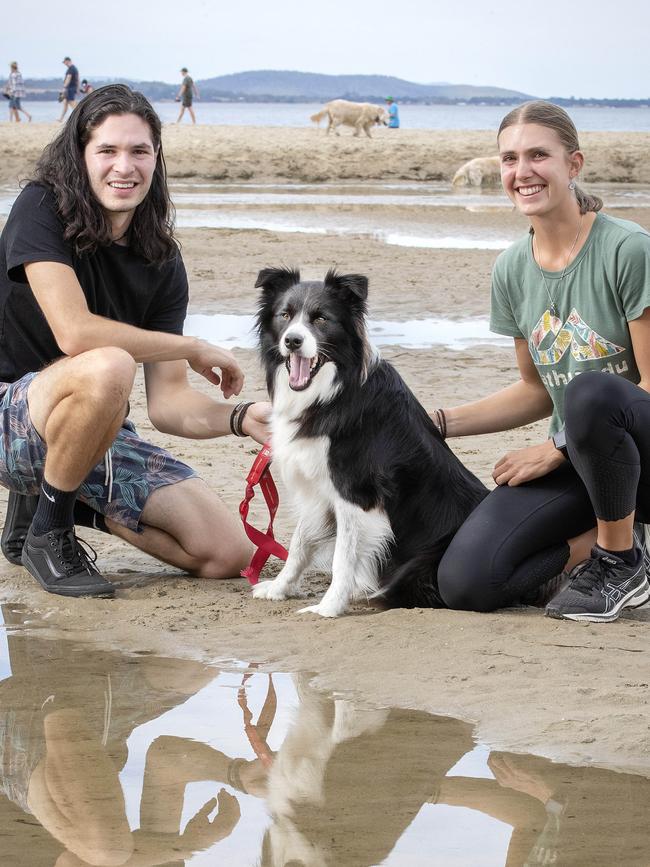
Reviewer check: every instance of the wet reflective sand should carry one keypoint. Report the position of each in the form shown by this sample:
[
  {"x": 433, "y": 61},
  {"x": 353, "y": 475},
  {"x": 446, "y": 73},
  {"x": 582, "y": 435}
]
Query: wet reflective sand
[
  {"x": 116, "y": 759},
  {"x": 424, "y": 215}
]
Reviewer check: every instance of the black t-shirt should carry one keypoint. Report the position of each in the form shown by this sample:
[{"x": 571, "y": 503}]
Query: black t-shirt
[
  {"x": 118, "y": 284},
  {"x": 73, "y": 72}
]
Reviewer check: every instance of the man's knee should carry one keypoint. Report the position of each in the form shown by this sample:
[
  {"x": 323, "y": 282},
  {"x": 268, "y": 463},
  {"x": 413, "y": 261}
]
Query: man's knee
[
  {"x": 224, "y": 560},
  {"x": 103, "y": 377},
  {"x": 108, "y": 367}
]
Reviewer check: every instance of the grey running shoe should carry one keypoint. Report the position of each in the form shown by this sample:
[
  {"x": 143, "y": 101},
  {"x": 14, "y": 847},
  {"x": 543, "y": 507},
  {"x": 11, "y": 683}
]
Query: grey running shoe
[
  {"x": 641, "y": 539},
  {"x": 601, "y": 588},
  {"x": 20, "y": 511},
  {"x": 541, "y": 596},
  {"x": 61, "y": 565}
]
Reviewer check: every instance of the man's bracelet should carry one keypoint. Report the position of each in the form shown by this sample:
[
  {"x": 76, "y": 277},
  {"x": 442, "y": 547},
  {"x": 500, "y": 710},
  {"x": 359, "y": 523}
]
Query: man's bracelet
[{"x": 237, "y": 417}]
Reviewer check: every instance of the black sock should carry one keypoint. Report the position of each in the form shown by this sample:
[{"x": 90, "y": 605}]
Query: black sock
[
  {"x": 84, "y": 516},
  {"x": 55, "y": 509},
  {"x": 630, "y": 556}
]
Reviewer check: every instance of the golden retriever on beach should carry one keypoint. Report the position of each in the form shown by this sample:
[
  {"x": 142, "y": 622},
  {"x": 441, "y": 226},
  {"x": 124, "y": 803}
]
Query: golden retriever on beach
[
  {"x": 481, "y": 171},
  {"x": 359, "y": 115}
]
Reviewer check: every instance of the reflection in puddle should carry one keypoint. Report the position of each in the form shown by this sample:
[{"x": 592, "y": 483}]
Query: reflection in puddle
[
  {"x": 335, "y": 223},
  {"x": 108, "y": 759},
  {"x": 422, "y": 194},
  {"x": 232, "y": 330},
  {"x": 391, "y": 213}
]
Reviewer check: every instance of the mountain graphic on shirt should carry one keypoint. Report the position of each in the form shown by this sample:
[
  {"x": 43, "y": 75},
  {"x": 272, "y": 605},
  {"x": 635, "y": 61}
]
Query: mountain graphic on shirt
[{"x": 550, "y": 340}]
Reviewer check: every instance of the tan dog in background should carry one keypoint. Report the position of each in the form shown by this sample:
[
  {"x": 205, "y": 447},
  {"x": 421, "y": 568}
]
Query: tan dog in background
[
  {"x": 358, "y": 115},
  {"x": 479, "y": 172}
]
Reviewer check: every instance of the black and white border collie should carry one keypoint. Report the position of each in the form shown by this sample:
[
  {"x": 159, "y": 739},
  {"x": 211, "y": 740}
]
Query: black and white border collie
[{"x": 367, "y": 467}]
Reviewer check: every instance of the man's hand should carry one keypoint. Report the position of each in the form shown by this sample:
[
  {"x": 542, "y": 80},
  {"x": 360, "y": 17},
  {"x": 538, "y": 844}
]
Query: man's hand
[
  {"x": 200, "y": 832},
  {"x": 523, "y": 465},
  {"x": 256, "y": 422},
  {"x": 510, "y": 774},
  {"x": 206, "y": 357}
]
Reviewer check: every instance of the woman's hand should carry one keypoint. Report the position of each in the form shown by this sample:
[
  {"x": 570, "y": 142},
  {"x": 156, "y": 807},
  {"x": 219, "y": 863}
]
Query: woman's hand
[{"x": 523, "y": 465}]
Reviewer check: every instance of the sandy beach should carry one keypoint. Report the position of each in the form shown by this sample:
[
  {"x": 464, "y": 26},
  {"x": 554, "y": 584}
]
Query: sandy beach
[{"x": 575, "y": 693}]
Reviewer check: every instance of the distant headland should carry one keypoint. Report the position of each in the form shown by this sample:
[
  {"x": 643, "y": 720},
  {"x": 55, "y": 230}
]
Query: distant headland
[{"x": 269, "y": 85}]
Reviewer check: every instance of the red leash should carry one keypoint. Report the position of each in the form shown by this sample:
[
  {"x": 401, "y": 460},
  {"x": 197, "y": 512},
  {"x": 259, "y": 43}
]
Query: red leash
[{"x": 260, "y": 474}]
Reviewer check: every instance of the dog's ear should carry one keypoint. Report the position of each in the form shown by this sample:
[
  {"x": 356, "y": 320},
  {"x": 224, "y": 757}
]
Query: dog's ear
[
  {"x": 275, "y": 280},
  {"x": 355, "y": 283}
]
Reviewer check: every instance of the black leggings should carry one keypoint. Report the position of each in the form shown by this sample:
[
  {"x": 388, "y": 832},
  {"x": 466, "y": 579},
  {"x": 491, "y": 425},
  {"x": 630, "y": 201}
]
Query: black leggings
[{"x": 516, "y": 539}]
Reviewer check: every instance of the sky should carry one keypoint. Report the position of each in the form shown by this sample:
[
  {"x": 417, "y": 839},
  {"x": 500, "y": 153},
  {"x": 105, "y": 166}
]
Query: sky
[{"x": 545, "y": 48}]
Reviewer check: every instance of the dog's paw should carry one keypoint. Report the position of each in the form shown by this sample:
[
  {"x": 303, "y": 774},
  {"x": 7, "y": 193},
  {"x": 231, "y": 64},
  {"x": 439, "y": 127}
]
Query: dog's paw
[
  {"x": 321, "y": 610},
  {"x": 270, "y": 590}
]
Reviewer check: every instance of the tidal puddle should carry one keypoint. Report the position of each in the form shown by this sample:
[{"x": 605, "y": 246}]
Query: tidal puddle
[
  {"x": 234, "y": 330},
  {"x": 111, "y": 759},
  {"x": 406, "y": 230},
  {"x": 400, "y": 214}
]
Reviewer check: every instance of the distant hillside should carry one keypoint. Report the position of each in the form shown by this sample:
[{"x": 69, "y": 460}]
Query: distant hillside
[
  {"x": 265, "y": 83},
  {"x": 270, "y": 85},
  {"x": 278, "y": 86}
]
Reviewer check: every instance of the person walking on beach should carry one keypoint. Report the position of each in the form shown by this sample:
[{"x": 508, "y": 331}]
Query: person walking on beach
[
  {"x": 575, "y": 296},
  {"x": 91, "y": 284},
  {"x": 68, "y": 95},
  {"x": 85, "y": 87},
  {"x": 15, "y": 90},
  {"x": 393, "y": 113},
  {"x": 187, "y": 91}
]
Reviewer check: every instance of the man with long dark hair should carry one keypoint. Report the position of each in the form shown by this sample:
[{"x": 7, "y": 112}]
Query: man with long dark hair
[{"x": 91, "y": 283}]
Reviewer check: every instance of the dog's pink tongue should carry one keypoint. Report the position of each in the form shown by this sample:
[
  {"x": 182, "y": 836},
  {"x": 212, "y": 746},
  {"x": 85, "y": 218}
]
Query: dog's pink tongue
[{"x": 299, "y": 369}]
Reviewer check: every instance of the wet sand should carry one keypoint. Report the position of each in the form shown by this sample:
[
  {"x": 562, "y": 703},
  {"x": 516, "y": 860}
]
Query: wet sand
[{"x": 577, "y": 693}]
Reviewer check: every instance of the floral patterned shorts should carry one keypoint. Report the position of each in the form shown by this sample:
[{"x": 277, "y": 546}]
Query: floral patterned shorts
[{"x": 118, "y": 487}]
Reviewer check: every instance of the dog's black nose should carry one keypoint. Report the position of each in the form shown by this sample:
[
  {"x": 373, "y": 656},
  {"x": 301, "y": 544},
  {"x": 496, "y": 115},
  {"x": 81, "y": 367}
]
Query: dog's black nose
[{"x": 293, "y": 342}]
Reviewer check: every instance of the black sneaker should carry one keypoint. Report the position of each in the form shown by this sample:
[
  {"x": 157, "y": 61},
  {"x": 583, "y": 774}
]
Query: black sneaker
[
  {"x": 61, "y": 565},
  {"x": 641, "y": 539},
  {"x": 541, "y": 596},
  {"x": 601, "y": 588},
  {"x": 20, "y": 511}
]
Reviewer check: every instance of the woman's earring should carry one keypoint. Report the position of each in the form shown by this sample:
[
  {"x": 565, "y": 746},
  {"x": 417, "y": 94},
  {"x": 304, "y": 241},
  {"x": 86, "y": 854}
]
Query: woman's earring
[{"x": 572, "y": 185}]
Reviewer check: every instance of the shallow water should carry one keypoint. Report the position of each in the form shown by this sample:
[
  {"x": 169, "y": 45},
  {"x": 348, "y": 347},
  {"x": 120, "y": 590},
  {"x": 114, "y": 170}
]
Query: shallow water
[
  {"x": 110, "y": 758},
  {"x": 412, "y": 116},
  {"x": 232, "y": 330},
  {"x": 424, "y": 215}
]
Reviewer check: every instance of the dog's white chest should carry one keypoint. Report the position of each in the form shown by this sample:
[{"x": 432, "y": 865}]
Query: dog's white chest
[{"x": 303, "y": 463}]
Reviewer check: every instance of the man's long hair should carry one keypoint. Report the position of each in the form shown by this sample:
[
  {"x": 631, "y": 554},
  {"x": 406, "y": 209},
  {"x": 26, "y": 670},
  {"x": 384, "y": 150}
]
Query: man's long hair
[{"x": 62, "y": 168}]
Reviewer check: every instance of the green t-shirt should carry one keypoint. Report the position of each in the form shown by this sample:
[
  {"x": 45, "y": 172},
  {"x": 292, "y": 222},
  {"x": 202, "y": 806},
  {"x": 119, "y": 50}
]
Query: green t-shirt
[{"x": 605, "y": 287}]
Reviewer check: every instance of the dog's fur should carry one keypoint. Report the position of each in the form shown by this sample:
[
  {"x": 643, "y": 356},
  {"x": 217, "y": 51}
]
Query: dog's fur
[
  {"x": 347, "y": 781},
  {"x": 365, "y": 463},
  {"x": 358, "y": 115},
  {"x": 481, "y": 171}
]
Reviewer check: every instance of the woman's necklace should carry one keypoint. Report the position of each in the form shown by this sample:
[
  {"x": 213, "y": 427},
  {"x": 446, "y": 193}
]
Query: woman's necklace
[{"x": 554, "y": 308}]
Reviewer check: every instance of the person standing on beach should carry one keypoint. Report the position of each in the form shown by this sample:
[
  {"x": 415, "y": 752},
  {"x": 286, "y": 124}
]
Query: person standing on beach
[
  {"x": 91, "y": 284},
  {"x": 85, "y": 87},
  {"x": 187, "y": 91},
  {"x": 68, "y": 95},
  {"x": 15, "y": 90},
  {"x": 393, "y": 113},
  {"x": 574, "y": 293}
]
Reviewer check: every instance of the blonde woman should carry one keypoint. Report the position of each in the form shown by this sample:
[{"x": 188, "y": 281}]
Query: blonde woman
[{"x": 574, "y": 294}]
